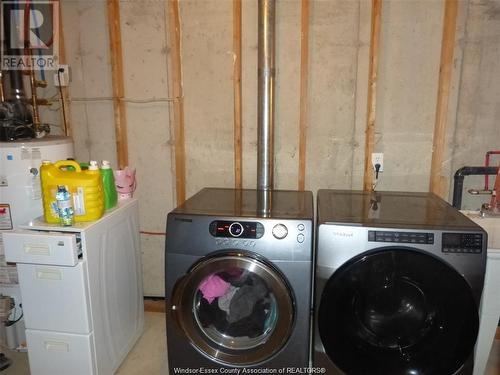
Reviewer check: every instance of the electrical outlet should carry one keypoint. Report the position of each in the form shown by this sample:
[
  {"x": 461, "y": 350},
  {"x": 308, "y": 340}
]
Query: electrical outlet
[
  {"x": 61, "y": 76},
  {"x": 378, "y": 158}
]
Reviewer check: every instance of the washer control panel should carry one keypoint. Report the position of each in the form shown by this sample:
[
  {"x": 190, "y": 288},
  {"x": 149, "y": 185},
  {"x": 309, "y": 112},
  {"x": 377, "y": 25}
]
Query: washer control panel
[
  {"x": 401, "y": 237},
  {"x": 236, "y": 229},
  {"x": 462, "y": 243}
]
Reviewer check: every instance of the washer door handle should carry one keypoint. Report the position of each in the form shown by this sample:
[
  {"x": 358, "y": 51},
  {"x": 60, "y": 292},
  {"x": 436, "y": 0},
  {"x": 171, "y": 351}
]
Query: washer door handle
[{"x": 177, "y": 300}]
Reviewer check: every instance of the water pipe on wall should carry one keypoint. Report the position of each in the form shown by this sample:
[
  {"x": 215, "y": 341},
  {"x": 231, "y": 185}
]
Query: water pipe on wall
[
  {"x": 487, "y": 164},
  {"x": 459, "y": 176},
  {"x": 494, "y": 205}
]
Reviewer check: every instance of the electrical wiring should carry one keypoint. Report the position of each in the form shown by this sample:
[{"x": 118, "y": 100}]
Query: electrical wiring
[
  {"x": 126, "y": 100},
  {"x": 63, "y": 106},
  {"x": 377, "y": 170},
  {"x": 54, "y": 99},
  {"x": 12, "y": 322},
  {"x": 153, "y": 233}
]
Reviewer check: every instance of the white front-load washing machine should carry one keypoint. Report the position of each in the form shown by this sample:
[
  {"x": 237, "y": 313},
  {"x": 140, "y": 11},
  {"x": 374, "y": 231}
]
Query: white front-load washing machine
[
  {"x": 398, "y": 280},
  {"x": 238, "y": 281}
]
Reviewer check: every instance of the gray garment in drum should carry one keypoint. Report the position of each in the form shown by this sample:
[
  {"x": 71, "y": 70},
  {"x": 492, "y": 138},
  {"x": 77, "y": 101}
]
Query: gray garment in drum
[
  {"x": 225, "y": 300},
  {"x": 245, "y": 298}
]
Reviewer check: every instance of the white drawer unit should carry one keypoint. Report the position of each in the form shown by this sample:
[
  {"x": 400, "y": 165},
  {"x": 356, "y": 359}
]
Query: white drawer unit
[
  {"x": 54, "y": 353},
  {"x": 55, "y": 298},
  {"x": 81, "y": 288},
  {"x": 25, "y": 246}
]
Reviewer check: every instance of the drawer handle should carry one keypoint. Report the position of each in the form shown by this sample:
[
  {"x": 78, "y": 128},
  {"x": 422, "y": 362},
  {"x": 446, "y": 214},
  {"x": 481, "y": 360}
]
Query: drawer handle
[
  {"x": 48, "y": 274},
  {"x": 56, "y": 346},
  {"x": 35, "y": 249}
]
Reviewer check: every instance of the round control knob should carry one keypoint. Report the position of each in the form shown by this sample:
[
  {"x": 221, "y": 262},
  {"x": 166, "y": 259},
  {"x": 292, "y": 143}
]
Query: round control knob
[
  {"x": 236, "y": 229},
  {"x": 280, "y": 231}
]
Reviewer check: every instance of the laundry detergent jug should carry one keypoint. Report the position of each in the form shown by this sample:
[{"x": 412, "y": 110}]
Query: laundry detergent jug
[{"x": 85, "y": 187}]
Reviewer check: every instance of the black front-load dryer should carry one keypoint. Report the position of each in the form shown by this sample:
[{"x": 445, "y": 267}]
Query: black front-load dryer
[{"x": 398, "y": 280}]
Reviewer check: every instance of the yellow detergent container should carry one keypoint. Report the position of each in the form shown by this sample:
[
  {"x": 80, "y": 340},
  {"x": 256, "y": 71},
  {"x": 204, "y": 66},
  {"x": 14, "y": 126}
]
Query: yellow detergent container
[{"x": 85, "y": 188}]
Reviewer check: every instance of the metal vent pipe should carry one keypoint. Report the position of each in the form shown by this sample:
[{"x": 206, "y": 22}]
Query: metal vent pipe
[
  {"x": 15, "y": 76},
  {"x": 265, "y": 96}
]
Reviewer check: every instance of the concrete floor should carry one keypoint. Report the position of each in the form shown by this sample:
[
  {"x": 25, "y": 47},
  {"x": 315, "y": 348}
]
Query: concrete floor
[{"x": 148, "y": 356}]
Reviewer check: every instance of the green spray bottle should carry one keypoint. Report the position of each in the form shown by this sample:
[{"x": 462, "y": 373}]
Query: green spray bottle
[{"x": 108, "y": 183}]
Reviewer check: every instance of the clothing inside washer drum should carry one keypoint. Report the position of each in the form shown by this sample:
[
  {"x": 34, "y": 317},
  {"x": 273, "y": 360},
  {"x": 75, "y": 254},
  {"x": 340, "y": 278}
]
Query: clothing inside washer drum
[{"x": 247, "y": 309}]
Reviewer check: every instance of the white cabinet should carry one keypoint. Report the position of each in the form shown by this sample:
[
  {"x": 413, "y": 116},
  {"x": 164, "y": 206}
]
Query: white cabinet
[
  {"x": 81, "y": 288},
  {"x": 24, "y": 246},
  {"x": 61, "y": 353},
  {"x": 490, "y": 311},
  {"x": 55, "y": 298},
  {"x": 490, "y": 300}
]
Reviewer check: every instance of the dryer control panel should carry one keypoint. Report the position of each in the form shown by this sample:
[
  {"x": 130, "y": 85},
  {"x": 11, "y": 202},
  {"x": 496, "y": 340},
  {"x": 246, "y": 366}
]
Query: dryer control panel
[
  {"x": 236, "y": 229},
  {"x": 462, "y": 243}
]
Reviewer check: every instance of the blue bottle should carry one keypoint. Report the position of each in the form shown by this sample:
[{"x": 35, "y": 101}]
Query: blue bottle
[{"x": 64, "y": 206}]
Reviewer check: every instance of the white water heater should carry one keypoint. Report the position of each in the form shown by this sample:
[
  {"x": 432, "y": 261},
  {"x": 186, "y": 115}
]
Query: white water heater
[{"x": 20, "y": 191}]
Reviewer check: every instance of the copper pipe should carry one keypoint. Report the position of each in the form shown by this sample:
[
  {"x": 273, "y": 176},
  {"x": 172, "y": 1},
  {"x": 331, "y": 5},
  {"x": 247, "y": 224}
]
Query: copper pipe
[
  {"x": 34, "y": 102},
  {"x": 495, "y": 199},
  {"x": 487, "y": 164}
]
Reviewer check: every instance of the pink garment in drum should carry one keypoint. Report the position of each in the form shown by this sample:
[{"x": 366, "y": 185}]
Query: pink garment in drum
[{"x": 212, "y": 287}]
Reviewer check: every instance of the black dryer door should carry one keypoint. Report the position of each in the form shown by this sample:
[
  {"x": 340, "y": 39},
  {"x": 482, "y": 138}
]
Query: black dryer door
[
  {"x": 236, "y": 308},
  {"x": 397, "y": 311}
]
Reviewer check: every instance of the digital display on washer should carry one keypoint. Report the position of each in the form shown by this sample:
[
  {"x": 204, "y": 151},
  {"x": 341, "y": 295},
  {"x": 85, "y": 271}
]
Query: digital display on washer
[
  {"x": 462, "y": 243},
  {"x": 236, "y": 229}
]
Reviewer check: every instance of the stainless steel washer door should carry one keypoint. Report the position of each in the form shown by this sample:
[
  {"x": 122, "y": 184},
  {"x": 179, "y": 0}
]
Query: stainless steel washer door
[{"x": 235, "y": 307}]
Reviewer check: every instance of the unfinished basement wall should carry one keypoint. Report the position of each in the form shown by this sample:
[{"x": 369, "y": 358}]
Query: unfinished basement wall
[
  {"x": 149, "y": 138},
  {"x": 147, "y": 109},
  {"x": 478, "y": 111},
  {"x": 207, "y": 63},
  {"x": 409, "y": 56},
  {"x": 87, "y": 53}
]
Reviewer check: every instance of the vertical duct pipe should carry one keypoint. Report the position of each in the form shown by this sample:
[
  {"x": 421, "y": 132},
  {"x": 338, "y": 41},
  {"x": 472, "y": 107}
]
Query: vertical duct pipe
[
  {"x": 265, "y": 99},
  {"x": 266, "y": 73},
  {"x": 15, "y": 76}
]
